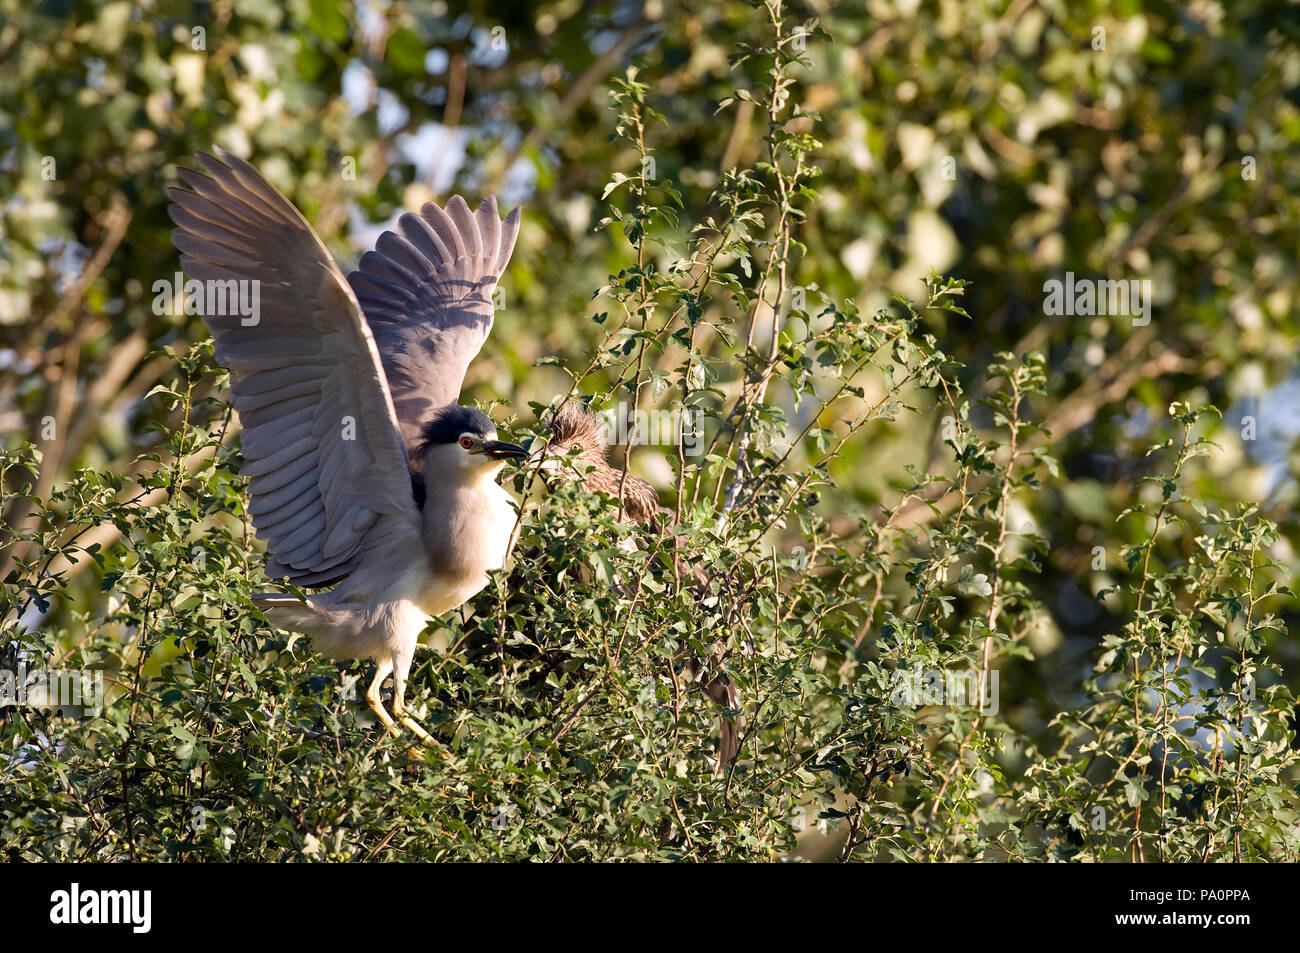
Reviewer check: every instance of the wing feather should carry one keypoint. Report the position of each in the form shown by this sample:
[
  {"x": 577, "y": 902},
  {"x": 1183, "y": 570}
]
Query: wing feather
[
  {"x": 426, "y": 291},
  {"x": 284, "y": 520},
  {"x": 322, "y": 448}
]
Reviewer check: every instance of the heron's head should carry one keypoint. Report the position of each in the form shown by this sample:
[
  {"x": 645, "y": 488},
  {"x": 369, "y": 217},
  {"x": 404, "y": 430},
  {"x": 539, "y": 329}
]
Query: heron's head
[
  {"x": 573, "y": 428},
  {"x": 462, "y": 441}
]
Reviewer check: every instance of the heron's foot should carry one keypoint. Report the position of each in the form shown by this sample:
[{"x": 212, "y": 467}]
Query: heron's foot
[
  {"x": 390, "y": 726},
  {"x": 430, "y": 743},
  {"x": 417, "y": 729},
  {"x": 400, "y": 714}
]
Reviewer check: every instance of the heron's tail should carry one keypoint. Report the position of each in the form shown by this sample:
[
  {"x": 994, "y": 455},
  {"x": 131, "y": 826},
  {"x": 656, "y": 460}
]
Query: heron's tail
[
  {"x": 288, "y": 612},
  {"x": 338, "y": 633}
]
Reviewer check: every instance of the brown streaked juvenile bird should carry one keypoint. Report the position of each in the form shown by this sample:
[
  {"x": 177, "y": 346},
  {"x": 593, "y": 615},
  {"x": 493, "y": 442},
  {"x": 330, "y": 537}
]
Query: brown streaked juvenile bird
[{"x": 573, "y": 427}]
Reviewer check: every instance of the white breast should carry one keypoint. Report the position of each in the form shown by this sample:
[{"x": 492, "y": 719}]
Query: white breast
[{"x": 467, "y": 533}]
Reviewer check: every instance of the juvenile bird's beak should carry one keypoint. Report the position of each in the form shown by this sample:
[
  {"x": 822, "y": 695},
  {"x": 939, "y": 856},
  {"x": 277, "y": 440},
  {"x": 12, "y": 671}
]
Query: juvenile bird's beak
[{"x": 500, "y": 450}]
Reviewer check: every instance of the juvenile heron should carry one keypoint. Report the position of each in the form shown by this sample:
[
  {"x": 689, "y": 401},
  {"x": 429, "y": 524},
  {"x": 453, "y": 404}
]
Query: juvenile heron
[
  {"x": 574, "y": 428},
  {"x": 365, "y": 473}
]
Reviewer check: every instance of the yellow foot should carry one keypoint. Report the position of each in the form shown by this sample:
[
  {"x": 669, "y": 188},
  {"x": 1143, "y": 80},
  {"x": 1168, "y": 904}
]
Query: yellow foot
[
  {"x": 399, "y": 710},
  {"x": 415, "y": 728},
  {"x": 390, "y": 726}
]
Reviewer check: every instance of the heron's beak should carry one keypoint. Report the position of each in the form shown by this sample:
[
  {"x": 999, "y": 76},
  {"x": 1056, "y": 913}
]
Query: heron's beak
[{"x": 500, "y": 450}]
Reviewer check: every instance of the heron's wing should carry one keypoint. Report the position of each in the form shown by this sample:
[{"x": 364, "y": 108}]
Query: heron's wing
[
  {"x": 329, "y": 474},
  {"x": 426, "y": 291}
]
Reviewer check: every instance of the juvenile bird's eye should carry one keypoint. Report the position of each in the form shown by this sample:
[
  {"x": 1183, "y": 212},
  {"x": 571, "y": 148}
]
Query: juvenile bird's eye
[{"x": 466, "y": 442}]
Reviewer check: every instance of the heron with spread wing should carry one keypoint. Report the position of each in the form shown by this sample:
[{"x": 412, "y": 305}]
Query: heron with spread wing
[{"x": 366, "y": 475}]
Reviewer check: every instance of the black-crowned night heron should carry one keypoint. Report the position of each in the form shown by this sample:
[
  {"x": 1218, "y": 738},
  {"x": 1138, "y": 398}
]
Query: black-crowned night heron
[
  {"x": 577, "y": 445},
  {"x": 346, "y": 390}
]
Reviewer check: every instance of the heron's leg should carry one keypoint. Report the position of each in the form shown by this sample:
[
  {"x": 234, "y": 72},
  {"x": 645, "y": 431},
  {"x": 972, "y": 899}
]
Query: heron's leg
[
  {"x": 401, "y": 667},
  {"x": 384, "y": 668}
]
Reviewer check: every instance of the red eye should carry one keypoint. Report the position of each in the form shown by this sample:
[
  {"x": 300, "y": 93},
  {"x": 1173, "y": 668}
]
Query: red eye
[{"x": 466, "y": 442}]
